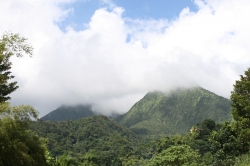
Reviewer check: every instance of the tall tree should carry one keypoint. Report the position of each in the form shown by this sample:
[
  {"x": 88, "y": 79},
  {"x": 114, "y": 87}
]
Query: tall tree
[
  {"x": 10, "y": 45},
  {"x": 240, "y": 97},
  {"x": 232, "y": 139}
]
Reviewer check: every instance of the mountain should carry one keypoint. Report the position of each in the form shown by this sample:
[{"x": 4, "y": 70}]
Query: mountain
[
  {"x": 86, "y": 135},
  {"x": 159, "y": 113},
  {"x": 69, "y": 113}
]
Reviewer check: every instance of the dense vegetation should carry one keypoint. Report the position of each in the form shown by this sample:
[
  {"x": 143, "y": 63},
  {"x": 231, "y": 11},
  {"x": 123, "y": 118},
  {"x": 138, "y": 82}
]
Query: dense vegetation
[
  {"x": 69, "y": 113},
  {"x": 175, "y": 112},
  {"x": 18, "y": 144},
  {"x": 86, "y": 136},
  {"x": 98, "y": 141}
]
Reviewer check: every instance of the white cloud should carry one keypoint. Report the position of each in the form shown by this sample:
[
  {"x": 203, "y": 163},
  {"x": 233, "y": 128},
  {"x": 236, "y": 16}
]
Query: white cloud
[{"x": 97, "y": 65}]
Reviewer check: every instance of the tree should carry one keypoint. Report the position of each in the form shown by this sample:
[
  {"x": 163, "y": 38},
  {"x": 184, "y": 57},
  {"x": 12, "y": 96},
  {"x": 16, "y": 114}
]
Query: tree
[
  {"x": 65, "y": 160},
  {"x": 226, "y": 145},
  {"x": 179, "y": 155},
  {"x": 18, "y": 144},
  {"x": 10, "y": 45},
  {"x": 240, "y": 97},
  {"x": 200, "y": 134},
  {"x": 232, "y": 139}
]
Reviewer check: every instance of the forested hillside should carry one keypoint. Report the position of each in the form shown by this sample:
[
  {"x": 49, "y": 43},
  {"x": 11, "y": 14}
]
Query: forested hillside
[
  {"x": 175, "y": 112},
  {"x": 95, "y": 136}
]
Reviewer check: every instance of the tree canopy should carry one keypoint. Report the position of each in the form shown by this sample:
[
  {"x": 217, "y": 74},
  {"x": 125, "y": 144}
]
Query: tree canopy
[
  {"x": 18, "y": 144},
  {"x": 177, "y": 156},
  {"x": 241, "y": 99}
]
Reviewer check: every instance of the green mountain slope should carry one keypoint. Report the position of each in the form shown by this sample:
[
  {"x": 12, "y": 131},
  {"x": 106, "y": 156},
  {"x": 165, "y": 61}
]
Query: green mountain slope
[
  {"x": 159, "y": 113},
  {"x": 95, "y": 134},
  {"x": 69, "y": 113}
]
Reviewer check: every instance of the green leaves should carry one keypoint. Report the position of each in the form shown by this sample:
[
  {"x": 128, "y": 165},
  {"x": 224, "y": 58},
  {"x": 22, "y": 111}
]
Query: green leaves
[
  {"x": 97, "y": 138},
  {"x": 179, "y": 155},
  {"x": 23, "y": 114},
  {"x": 18, "y": 144},
  {"x": 240, "y": 97},
  {"x": 13, "y": 44},
  {"x": 10, "y": 44}
]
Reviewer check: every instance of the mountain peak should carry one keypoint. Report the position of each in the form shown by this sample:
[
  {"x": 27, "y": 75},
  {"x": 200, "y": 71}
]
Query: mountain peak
[
  {"x": 176, "y": 111},
  {"x": 66, "y": 112}
]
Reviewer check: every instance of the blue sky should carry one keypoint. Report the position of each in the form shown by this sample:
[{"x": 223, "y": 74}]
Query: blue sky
[{"x": 137, "y": 9}]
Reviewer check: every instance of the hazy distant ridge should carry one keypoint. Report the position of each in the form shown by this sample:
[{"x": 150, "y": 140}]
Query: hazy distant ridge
[{"x": 69, "y": 113}]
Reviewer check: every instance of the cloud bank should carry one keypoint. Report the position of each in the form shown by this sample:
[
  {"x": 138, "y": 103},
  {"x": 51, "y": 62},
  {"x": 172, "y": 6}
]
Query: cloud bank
[{"x": 116, "y": 60}]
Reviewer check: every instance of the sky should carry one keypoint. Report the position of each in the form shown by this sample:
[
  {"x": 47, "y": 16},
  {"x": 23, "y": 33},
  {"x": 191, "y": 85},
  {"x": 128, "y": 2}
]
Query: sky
[{"x": 110, "y": 53}]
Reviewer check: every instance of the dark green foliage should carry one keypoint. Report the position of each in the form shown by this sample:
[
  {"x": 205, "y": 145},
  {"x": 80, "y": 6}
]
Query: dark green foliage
[
  {"x": 226, "y": 145},
  {"x": 243, "y": 160},
  {"x": 10, "y": 44},
  {"x": 166, "y": 142},
  {"x": 241, "y": 108},
  {"x": 181, "y": 155},
  {"x": 5, "y": 87},
  {"x": 69, "y": 113},
  {"x": 19, "y": 145},
  {"x": 200, "y": 135},
  {"x": 101, "y": 158},
  {"x": 199, "y": 139},
  {"x": 176, "y": 112},
  {"x": 95, "y": 136},
  {"x": 144, "y": 152},
  {"x": 66, "y": 160},
  {"x": 232, "y": 140},
  {"x": 241, "y": 100}
]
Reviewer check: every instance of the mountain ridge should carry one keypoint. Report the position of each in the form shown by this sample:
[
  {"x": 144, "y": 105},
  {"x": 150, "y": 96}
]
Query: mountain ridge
[
  {"x": 175, "y": 112},
  {"x": 65, "y": 112}
]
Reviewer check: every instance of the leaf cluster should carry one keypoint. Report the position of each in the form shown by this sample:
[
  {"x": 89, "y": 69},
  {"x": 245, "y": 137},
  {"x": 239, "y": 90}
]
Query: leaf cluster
[{"x": 18, "y": 144}]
